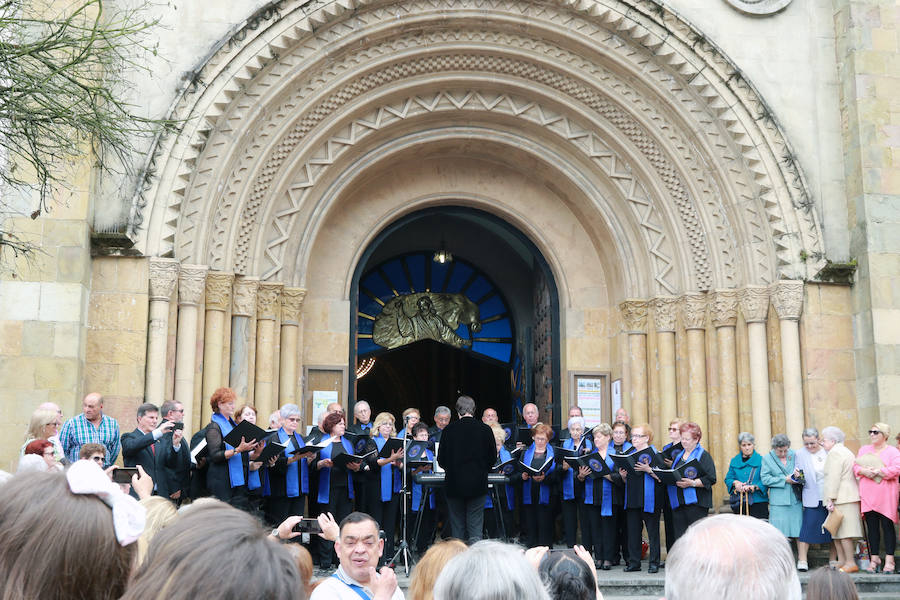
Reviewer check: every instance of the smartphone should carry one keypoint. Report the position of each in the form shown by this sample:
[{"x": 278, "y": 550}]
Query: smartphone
[
  {"x": 123, "y": 474},
  {"x": 178, "y": 426},
  {"x": 308, "y": 526}
]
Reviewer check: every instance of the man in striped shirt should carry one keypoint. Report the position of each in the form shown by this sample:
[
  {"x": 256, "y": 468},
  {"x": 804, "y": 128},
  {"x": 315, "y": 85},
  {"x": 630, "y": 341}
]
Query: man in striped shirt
[{"x": 91, "y": 427}]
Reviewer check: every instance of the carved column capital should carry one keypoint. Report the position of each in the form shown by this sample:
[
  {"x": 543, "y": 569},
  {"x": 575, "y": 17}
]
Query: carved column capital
[
  {"x": 787, "y": 296},
  {"x": 634, "y": 315},
  {"x": 693, "y": 310},
  {"x": 163, "y": 276},
  {"x": 665, "y": 311},
  {"x": 291, "y": 303},
  {"x": 191, "y": 284},
  {"x": 243, "y": 302},
  {"x": 754, "y": 303},
  {"x": 218, "y": 290},
  {"x": 725, "y": 307},
  {"x": 268, "y": 305}
]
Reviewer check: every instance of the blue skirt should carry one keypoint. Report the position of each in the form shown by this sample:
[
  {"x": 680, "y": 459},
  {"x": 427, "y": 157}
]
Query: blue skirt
[{"x": 811, "y": 530}]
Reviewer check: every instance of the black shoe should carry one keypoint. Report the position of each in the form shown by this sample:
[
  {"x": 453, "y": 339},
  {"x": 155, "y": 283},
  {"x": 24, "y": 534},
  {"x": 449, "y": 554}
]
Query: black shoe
[
  {"x": 662, "y": 565},
  {"x": 605, "y": 567},
  {"x": 616, "y": 563},
  {"x": 653, "y": 569},
  {"x": 632, "y": 568}
]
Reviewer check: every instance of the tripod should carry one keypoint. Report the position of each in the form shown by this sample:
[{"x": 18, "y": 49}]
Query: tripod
[{"x": 403, "y": 547}]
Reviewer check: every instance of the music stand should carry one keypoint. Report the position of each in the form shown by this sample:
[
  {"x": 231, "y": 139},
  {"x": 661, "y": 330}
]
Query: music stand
[{"x": 403, "y": 547}]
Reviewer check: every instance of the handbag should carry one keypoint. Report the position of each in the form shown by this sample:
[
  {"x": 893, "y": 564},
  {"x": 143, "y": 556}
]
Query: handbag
[
  {"x": 737, "y": 501},
  {"x": 833, "y": 522}
]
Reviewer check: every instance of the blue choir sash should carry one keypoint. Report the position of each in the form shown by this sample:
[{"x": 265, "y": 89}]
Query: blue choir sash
[
  {"x": 569, "y": 477},
  {"x": 253, "y": 481},
  {"x": 649, "y": 491},
  {"x": 417, "y": 489},
  {"x": 235, "y": 464},
  {"x": 389, "y": 474},
  {"x": 325, "y": 474},
  {"x": 297, "y": 476},
  {"x": 605, "y": 490},
  {"x": 510, "y": 492},
  {"x": 690, "y": 494},
  {"x": 544, "y": 489}
]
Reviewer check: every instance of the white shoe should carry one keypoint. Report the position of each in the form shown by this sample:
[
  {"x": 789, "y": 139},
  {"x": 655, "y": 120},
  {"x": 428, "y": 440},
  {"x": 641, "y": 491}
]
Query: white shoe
[{"x": 802, "y": 565}]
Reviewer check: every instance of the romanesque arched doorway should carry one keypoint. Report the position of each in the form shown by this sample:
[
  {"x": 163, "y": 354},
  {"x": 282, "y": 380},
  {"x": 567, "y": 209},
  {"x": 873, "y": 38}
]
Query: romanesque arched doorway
[{"x": 453, "y": 300}]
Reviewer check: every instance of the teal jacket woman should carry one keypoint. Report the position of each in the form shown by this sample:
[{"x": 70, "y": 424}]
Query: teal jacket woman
[
  {"x": 747, "y": 470},
  {"x": 778, "y": 471}
]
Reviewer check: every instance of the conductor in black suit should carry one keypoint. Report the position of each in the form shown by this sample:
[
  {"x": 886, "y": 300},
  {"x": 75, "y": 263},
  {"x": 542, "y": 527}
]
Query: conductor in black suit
[
  {"x": 467, "y": 453},
  {"x": 139, "y": 447}
]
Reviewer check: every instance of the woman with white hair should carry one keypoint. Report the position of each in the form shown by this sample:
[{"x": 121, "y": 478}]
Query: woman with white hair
[
  {"x": 841, "y": 494},
  {"x": 811, "y": 458},
  {"x": 745, "y": 477},
  {"x": 782, "y": 479},
  {"x": 289, "y": 475},
  {"x": 574, "y": 510},
  {"x": 490, "y": 570}
]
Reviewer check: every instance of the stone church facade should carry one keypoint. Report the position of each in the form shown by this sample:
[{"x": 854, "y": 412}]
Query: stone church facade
[{"x": 711, "y": 187}]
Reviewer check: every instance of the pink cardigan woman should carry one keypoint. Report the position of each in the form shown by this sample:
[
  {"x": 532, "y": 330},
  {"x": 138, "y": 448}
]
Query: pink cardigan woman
[{"x": 878, "y": 500}]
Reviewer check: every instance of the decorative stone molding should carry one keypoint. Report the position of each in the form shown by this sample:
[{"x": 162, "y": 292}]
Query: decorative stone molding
[
  {"x": 759, "y": 7},
  {"x": 725, "y": 308},
  {"x": 291, "y": 304},
  {"x": 634, "y": 315},
  {"x": 243, "y": 303},
  {"x": 191, "y": 284},
  {"x": 665, "y": 312},
  {"x": 754, "y": 303},
  {"x": 163, "y": 276},
  {"x": 268, "y": 302},
  {"x": 787, "y": 296},
  {"x": 693, "y": 310},
  {"x": 218, "y": 290}
]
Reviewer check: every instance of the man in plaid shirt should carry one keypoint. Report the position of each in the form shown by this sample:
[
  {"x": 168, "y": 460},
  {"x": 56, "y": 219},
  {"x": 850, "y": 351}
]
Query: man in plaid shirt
[{"x": 91, "y": 427}]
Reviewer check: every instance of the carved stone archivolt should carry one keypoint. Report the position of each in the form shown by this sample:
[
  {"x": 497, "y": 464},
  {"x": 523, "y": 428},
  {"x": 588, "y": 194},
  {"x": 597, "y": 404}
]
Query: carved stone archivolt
[
  {"x": 425, "y": 316},
  {"x": 163, "y": 277},
  {"x": 700, "y": 81},
  {"x": 191, "y": 284},
  {"x": 693, "y": 310},
  {"x": 787, "y": 297},
  {"x": 754, "y": 303},
  {"x": 244, "y": 301},
  {"x": 725, "y": 308},
  {"x": 634, "y": 315},
  {"x": 218, "y": 290},
  {"x": 665, "y": 312},
  {"x": 291, "y": 305},
  {"x": 759, "y": 7},
  {"x": 268, "y": 301}
]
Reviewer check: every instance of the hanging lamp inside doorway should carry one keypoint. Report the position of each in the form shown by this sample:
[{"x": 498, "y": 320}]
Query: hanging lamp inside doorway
[{"x": 442, "y": 256}]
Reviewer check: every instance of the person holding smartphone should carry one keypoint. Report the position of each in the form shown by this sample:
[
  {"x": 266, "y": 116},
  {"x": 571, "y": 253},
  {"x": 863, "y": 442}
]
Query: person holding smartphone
[{"x": 139, "y": 447}]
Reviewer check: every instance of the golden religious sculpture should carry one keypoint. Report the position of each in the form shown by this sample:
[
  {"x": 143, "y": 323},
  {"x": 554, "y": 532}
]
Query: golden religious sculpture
[{"x": 425, "y": 316}]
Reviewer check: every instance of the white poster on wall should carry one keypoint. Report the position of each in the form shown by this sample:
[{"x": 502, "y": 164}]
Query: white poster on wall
[
  {"x": 589, "y": 397},
  {"x": 616, "y": 395},
  {"x": 321, "y": 400}
]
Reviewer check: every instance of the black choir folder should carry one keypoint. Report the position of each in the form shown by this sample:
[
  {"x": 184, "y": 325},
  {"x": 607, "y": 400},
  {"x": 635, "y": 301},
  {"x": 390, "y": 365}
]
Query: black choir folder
[
  {"x": 274, "y": 448},
  {"x": 592, "y": 461},
  {"x": 670, "y": 452},
  {"x": 688, "y": 470},
  {"x": 532, "y": 471},
  {"x": 390, "y": 446},
  {"x": 626, "y": 461},
  {"x": 416, "y": 453},
  {"x": 248, "y": 431},
  {"x": 342, "y": 458}
]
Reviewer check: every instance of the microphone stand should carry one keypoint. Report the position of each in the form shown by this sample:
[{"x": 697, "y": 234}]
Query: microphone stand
[{"x": 403, "y": 547}]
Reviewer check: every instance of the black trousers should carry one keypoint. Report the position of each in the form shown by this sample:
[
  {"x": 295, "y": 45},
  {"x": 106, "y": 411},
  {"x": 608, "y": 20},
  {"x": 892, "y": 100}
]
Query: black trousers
[
  {"x": 636, "y": 519},
  {"x": 603, "y": 533},
  {"x": 686, "y": 515},
  {"x": 621, "y": 545},
  {"x": 574, "y": 513},
  {"x": 492, "y": 517},
  {"x": 386, "y": 515},
  {"x": 669, "y": 520},
  {"x": 279, "y": 508},
  {"x": 339, "y": 505},
  {"x": 538, "y": 520},
  {"x": 422, "y": 541},
  {"x": 878, "y": 524},
  {"x": 467, "y": 517}
]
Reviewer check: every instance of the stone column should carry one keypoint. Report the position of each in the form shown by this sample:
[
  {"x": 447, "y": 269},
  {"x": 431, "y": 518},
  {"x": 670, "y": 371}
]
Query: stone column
[
  {"x": 243, "y": 321},
  {"x": 268, "y": 310},
  {"x": 163, "y": 276},
  {"x": 664, "y": 317},
  {"x": 725, "y": 319},
  {"x": 693, "y": 307},
  {"x": 291, "y": 304},
  {"x": 218, "y": 301},
  {"x": 634, "y": 317},
  {"x": 787, "y": 296},
  {"x": 191, "y": 285},
  {"x": 755, "y": 307}
]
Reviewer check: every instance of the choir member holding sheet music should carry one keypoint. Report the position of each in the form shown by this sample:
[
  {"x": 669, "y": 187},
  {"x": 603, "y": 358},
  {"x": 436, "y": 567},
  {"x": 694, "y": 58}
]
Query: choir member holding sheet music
[
  {"x": 225, "y": 476},
  {"x": 643, "y": 501},
  {"x": 254, "y": 473},
  {"x": 691, "y": 496},
  {"x": 574, "y": 510},
  {"x": 386, "y": 465},
  {"x": 598, "y": 497},
  {"x": 621, "y": 431},
  {"x": 673, "y": 446},
  {"x": 421, "y": 499},
  {"x": 335, "y": 481},
  {"x": 506, "y": 493},
  {"x": 538, "y": 475},
  {"x": 289, "y": 472}
]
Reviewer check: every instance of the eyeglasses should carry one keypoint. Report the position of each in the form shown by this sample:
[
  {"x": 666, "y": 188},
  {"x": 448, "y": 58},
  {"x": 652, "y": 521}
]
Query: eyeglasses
[
  {"x": 874, "y": 432},
  {"x": 98, "y": 459},
  {"x": 639, "y": 435},
  {"x": 673, "y": 429},
  {"x": 293, "y": 419}
]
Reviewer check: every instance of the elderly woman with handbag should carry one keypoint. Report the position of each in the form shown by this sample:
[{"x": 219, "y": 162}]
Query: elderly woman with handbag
[
  {"x": 811, "y": 460},
  {"x": 877, "y": 467},
  {"x": 780, "y": 474},
  {"x": 744, "y": 479},
  {"x": 841, "y": 494}
]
